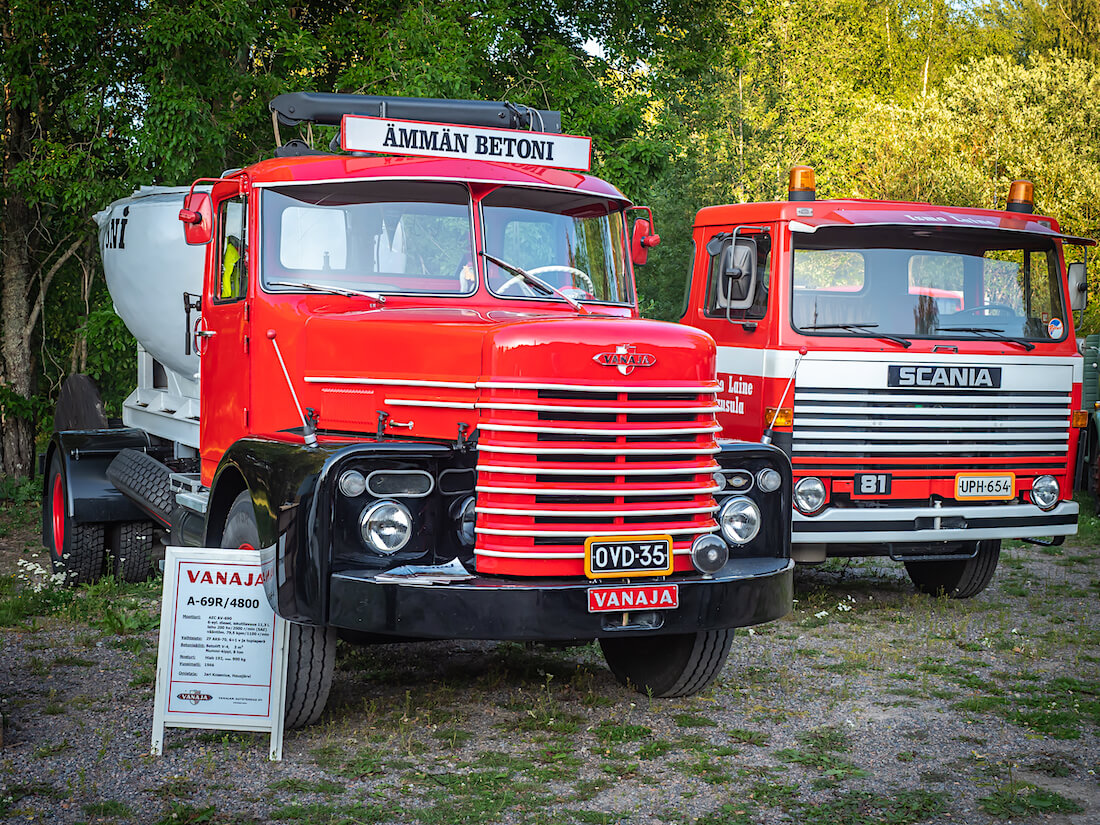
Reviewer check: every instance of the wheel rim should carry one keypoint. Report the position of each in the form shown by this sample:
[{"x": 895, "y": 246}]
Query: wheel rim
[{"x": 57, "y": 510}]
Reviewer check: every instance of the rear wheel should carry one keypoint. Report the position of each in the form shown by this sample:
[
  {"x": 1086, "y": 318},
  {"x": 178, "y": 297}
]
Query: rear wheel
[
  {"x": 77, "y": 551},
  {"x": 957, "y": 579},
  {"x": 668, "y": 666},
  {"x": 312, "y": 650},
  {"x": 131, "y": 554}
]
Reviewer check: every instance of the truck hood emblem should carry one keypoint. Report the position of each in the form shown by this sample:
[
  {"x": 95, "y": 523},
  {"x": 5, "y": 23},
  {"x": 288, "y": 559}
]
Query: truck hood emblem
[{"x": 625, "y": 359}]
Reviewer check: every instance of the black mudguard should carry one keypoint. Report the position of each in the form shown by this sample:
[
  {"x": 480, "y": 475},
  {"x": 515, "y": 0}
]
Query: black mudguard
[
  {"x": 85, "y": 456},
  {"x": 293, "y": 488},
  {"x": 774, "y": 538}
]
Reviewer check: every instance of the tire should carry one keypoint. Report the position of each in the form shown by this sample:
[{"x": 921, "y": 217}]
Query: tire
[
  {"x": 312, "y": 650},
  {"x": 77, "y": 551},
  {"x": 957, "y": 579},
  {"x": 131, "y": 550},
  {"x": 668, "y": 666}
]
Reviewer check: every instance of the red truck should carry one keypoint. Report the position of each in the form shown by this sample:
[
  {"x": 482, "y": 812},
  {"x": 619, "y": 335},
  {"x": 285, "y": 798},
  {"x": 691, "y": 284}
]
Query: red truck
[
  {"x": 917, "y": 363},
  {"x": 412, "y": 376}
]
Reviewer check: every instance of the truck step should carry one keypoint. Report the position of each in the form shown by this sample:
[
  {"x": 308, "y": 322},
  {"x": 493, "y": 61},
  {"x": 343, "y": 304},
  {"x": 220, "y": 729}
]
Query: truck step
[{"x": 145, "y": 481}]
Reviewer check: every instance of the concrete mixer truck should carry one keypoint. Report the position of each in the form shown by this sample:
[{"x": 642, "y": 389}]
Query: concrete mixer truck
[{"x": 411, "y": 375}]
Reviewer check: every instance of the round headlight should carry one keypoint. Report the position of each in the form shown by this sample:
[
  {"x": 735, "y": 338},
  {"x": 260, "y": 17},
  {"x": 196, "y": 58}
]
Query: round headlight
[
  {"x": 386, "y": 526},
  {"x": 740, "y": 520},
  {"x": 352, "y": 483},
  {"x": 465, "y": 517},
  {"x": 1044, "y": 492},
  {"x": 809, "y": 495},
  {"x": 709, "y": 554},
  {"x": 768, "y": 480}
]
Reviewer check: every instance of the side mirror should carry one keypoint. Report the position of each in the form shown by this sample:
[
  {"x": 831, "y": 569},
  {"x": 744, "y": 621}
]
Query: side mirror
[
  {"x": 642, "y": 240},
  {"x": 1078, "y": 286},
  {"x": 737, "y": 275},
  {"x": 197, "y": 217}
]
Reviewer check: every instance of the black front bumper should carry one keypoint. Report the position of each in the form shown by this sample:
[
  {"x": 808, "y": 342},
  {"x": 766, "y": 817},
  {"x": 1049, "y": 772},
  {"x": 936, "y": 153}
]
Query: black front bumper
[{"x": 745, "y": 592}]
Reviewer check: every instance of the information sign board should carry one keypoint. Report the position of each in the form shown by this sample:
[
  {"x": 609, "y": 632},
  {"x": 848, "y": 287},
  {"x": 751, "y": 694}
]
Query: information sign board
[{"x": 222, "y": 660}]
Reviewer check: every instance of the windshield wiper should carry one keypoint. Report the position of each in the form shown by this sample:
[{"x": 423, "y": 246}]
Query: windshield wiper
[
  {"x": 897, "y": 339},
  {"x": 995, "y": 333},
  {"x": 331, "y": 289},
  {"x": 538, "y": 283}
]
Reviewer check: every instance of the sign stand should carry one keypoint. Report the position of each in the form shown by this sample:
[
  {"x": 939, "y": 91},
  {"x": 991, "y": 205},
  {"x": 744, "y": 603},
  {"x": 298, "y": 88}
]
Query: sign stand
[{"x": 223, "y": 651}]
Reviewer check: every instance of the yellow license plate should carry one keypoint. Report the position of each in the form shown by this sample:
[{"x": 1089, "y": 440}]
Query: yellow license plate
[
  {"x": 619, "y": 557},
  {"x": 985, "y": 486}
]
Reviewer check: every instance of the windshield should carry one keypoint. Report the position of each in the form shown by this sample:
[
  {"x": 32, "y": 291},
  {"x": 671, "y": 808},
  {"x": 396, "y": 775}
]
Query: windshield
[
  {"x": 573, "y": 242},
  {"x": 381, "y": 236},
  {"x": 923, "y": 282}
]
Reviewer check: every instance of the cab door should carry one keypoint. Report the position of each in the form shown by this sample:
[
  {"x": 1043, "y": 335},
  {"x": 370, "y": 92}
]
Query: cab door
[
  {"x": 741, "y": 323},
  {"x": 222, "y": 337}
]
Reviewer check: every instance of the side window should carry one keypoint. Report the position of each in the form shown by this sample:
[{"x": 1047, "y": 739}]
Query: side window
[
  {"x": 232, "y": 270},
  {"x": 716, "y": 306}
]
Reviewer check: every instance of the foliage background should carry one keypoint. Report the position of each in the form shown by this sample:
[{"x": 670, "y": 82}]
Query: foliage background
[{"x": 689, "y": 102}]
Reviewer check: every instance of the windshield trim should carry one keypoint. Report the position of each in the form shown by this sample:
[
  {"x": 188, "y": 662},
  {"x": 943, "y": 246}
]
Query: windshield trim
[
  {"x": 263, "y": 281},
  {"x": 482, "y": 262},
  {"x": 1052, "y": 238}
]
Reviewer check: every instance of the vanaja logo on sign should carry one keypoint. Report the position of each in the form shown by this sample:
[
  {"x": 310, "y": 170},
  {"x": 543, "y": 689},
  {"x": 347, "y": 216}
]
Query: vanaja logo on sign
[
  {"x": 898, "y": 375},
  {"x": 625, "y": 358},
  {"x": 194, "y": 696}
]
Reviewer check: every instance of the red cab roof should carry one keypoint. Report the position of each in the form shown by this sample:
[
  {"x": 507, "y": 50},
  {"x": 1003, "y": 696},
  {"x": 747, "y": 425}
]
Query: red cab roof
[{"x": 342, "y": 168}]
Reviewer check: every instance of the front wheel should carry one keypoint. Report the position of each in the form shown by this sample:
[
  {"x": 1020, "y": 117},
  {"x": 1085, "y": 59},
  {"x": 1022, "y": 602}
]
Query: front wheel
[
  {"x": 957, "y": 579},
  {"x": 312, "y": 650},
  {"x": 77, "y": 551},
  {"x": 668, "y": 666}
]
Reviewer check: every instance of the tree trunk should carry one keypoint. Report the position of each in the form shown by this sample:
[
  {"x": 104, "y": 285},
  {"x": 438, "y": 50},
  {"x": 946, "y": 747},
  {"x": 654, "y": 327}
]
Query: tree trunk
[{"x": 17, "y": 441}]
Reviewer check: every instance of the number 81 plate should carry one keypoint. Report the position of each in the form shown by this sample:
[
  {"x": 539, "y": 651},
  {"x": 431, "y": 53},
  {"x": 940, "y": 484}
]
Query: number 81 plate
[{"x": 617, "y": 557}]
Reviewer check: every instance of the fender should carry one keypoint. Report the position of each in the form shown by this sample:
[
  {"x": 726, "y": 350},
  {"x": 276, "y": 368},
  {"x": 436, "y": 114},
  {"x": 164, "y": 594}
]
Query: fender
[
  {"x": 774, "y": 538},
  {"x": 85, "y": 456},
  {"x": 292, "y": 488}
]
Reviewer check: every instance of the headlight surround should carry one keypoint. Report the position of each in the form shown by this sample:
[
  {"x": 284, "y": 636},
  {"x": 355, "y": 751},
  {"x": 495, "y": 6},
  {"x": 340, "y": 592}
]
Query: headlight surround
[
  {"x": 1045, "y": 492},
  {"x": 464, "y": 518},
  {"x": 769, "y": 480},
  {"x": 739, "y": 519},
  {"x": 386, "y": 526},
  {"x": 809, "y": 495}
]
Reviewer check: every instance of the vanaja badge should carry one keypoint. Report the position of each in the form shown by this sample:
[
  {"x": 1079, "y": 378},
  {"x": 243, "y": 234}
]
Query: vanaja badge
[{"x": 625, "y": 358}]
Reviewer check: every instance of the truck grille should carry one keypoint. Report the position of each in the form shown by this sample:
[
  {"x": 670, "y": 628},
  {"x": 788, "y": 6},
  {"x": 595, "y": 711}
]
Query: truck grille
[
  {"x": 884, "y": 429},
  {"x": 558, "y": 464}
]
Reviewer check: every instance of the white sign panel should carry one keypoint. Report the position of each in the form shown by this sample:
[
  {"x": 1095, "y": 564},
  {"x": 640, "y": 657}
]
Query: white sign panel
[
  {"x": 360, "y": 133},
  {"x": 222, "y": 661}
]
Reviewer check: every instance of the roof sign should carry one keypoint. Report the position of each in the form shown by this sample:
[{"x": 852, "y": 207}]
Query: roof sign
[{"x": 412, "y": 137}]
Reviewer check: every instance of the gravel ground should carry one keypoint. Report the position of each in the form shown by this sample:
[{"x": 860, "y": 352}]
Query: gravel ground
[{"x": 868, "y": 704}]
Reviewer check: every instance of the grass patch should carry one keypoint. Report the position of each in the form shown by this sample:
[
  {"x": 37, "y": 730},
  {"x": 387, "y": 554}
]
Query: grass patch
[
  {"x": 108, "y": 807},
  {"x": 321, "y": 813},
  {"x": 693, "y": 720},
  {"x": 609, "y": 732},
  {"x": 860, "y": 807},
  {"x": 1024, "y": 799},
  {"x": 295, "y": 785}
]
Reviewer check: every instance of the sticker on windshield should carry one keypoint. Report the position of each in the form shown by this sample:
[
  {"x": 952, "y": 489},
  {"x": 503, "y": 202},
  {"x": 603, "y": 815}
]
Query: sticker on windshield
[{"x": 1054, "y": 328}]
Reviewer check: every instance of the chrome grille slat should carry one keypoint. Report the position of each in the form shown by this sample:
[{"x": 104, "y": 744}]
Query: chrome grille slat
[
  {"x": 874, "y": 423},
  {"x": 547, "y": 484}
]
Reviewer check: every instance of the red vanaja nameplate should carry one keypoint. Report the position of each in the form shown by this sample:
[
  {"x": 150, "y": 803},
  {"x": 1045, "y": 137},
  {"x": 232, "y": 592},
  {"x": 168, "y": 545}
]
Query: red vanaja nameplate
[{"x": 641, "y": 597}]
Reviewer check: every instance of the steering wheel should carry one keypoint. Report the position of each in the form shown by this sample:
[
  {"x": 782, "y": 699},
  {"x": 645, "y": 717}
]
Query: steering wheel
[
  {"x": 996, "y": 309},
  {"x": 518, "y": 280},
  {"x": 569, "y": 270}
]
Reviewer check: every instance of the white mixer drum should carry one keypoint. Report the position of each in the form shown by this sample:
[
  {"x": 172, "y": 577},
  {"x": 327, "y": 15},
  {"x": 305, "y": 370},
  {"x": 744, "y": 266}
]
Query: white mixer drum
[{"x": 148, "y": 268}]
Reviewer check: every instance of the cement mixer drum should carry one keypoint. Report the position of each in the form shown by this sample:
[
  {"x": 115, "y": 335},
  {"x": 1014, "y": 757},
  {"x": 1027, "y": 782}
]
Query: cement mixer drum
[{"x": 149, "y": 267}]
